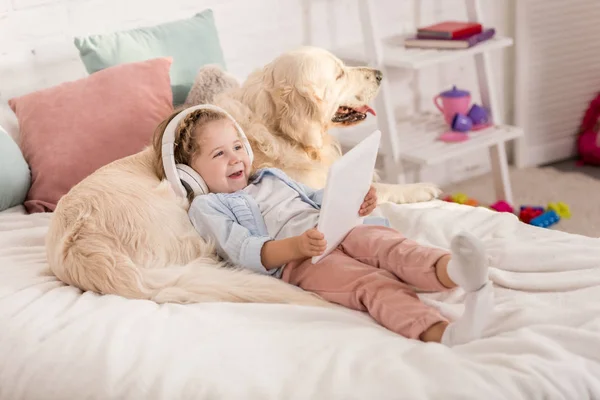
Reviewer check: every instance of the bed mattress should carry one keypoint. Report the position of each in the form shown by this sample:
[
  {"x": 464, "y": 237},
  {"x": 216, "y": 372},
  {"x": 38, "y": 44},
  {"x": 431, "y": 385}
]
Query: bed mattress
[{"x": 543, "y": 341}]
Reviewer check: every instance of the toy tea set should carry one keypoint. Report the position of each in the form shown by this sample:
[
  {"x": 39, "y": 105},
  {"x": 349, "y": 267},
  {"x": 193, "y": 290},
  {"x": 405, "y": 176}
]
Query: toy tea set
[{"x": 460, "y": 115}]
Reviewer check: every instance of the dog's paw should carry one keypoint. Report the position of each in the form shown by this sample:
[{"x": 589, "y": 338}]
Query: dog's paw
[{"x": 411, "y": 193}]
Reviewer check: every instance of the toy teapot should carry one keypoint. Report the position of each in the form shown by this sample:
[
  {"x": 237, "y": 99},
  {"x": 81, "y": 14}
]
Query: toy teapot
[{"x": 454, "y": 101}]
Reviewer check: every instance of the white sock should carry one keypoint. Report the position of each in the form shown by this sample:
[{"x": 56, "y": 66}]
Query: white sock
[
  {"x": 478, "y": 306},
  {"x": 469, "y": 270},
  {"x": 468, "y": 265}
]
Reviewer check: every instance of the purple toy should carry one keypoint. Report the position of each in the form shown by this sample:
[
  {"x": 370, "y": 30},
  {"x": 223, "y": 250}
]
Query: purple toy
[
  {"x": 532, "y": 208},
  {"x": 461, "y": 123},
  {"x": 478, "y": 115}
]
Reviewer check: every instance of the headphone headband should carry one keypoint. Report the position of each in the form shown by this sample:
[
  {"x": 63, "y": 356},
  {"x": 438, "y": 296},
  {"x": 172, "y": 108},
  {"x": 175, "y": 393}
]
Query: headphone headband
[{"x": 168, "y": 144}]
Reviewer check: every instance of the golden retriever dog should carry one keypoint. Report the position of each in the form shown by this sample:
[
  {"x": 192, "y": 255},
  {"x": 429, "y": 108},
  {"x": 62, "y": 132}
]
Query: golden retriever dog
[
  {"x": 288, "y": 107},
  {"x": 123, "y": 230}
]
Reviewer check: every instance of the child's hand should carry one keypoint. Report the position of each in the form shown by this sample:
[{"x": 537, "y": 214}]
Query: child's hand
[
  {"x": 369, "y": 203},
  {"x": 311, "y": 243}
]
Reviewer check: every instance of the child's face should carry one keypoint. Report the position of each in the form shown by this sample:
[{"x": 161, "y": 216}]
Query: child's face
[{"x": 222, "y": 162}]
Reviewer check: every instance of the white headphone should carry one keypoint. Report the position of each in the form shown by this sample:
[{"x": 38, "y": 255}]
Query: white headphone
[{"x": 183, "y": 177}]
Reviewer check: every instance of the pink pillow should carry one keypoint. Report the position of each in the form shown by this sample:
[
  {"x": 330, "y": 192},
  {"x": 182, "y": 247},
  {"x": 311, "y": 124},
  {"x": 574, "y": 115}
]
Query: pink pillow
[{"x": 70, "y": 130}]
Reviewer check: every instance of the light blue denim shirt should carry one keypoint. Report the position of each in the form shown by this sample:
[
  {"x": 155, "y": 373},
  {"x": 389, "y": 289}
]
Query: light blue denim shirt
[{"x": 234, "y": 221}]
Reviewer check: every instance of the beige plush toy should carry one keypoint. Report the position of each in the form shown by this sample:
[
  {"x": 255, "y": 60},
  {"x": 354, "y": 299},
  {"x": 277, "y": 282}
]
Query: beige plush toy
[{"x": 210, "y": 81}]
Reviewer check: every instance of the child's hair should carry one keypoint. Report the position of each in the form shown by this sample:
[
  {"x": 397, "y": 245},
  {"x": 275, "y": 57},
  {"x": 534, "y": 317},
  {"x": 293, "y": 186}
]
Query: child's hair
[{"x": 186, "y": 143}]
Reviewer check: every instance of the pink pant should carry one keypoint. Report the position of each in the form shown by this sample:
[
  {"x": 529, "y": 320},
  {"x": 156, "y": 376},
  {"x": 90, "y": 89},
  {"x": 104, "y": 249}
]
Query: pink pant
[{"x": 375, "y": 269}]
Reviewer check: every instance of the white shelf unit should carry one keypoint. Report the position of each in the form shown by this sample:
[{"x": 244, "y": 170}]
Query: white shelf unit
[
  {"x": 417, "y": 138},
  {"x": 397, "y": 56},
  {"x": 414, "y": 140}
]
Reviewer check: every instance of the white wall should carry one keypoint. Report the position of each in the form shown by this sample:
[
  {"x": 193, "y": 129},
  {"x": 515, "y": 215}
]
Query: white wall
[
  {"x": 557, "y": 75},
  {"x": 37, "y": 51}
]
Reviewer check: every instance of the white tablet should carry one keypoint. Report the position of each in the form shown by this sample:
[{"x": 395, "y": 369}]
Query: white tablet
[{"x": 348, "y": 182}]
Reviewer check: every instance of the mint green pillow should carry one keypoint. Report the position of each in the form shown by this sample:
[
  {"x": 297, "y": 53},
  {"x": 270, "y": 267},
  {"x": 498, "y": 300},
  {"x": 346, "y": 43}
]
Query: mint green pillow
[
  {"x": 192, "y": 43},
  {"x": 15, "y": 177}
]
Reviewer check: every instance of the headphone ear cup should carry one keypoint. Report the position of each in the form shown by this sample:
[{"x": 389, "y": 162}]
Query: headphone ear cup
[
  {"x": 249, "y": 151},
  {"x": 191, "y": 180}
]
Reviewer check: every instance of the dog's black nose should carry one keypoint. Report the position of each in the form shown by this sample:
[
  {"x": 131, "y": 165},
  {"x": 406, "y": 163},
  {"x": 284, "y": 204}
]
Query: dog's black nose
[{"x": 378, "y": 75}]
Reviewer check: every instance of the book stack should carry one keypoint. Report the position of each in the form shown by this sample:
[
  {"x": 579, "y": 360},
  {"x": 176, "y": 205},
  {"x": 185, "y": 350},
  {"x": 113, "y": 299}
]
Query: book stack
[{"x": 450, "y": 35}]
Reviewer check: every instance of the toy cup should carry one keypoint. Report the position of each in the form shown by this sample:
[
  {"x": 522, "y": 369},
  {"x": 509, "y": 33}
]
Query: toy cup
[
  {"x": 461, "y": 123},
  {"x": 478, "y": 115}
]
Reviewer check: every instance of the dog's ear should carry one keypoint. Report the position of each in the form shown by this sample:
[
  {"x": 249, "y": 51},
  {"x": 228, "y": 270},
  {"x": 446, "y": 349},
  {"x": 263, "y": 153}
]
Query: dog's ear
[{"x": 301, "y": 114}]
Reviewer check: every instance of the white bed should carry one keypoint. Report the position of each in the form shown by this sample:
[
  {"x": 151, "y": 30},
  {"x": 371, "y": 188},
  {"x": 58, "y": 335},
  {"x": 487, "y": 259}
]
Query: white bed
[{"x": 543, "y": 343}]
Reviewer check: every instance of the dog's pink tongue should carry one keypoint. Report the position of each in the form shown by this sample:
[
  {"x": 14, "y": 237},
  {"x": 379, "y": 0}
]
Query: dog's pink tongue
[{"x": 365, "y": 109}]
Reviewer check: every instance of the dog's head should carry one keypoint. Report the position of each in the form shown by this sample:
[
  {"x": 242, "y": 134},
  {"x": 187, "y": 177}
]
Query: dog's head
[{"x": 307, "y": 91}]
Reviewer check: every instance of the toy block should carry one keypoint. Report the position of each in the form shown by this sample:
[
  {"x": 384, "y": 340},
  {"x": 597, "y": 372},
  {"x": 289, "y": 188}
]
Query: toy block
[
  {"x": 528, "y": 213},
  {"x": 502, "y": 206},
  {"x": 562, "y": 209},
  {"x": 545, "y": 220},
  {"x": 460, "y": 198},
  {"x": 537, "y": 208}
]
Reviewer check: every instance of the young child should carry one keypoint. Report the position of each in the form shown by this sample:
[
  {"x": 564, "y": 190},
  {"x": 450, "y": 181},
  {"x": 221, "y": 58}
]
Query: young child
[{"x": 265, "y": 221}]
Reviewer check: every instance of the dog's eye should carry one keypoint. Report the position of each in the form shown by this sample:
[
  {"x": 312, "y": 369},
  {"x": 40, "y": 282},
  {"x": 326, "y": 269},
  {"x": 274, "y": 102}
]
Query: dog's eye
[{"x": 340, "y": 75}]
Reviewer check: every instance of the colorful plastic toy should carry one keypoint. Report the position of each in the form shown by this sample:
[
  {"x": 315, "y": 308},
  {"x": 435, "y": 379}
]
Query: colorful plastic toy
[
  {"x": 540, "y": 208},
  {"x": 562, "y": 209},
  {"x": 502, "y": 206},
  {"x": 527, "y": 213},
  {"x": 461, "y": 123},
  {"x": 545, "y": 220},
  {"x": 533, "y": 215},
  {"x": 461, "y": 198},
  {"x": 588, "y": 143},
  {"x": 478, "y": 115}
]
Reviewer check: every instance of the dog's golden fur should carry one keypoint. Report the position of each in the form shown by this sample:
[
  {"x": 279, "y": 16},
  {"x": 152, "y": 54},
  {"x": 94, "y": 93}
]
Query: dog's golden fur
[{"x": 123, "y": 231}]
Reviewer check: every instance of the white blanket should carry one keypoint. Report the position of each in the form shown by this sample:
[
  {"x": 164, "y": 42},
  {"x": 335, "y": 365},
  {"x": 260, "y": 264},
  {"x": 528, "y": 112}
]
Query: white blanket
[{"x": 543, "y": 342}]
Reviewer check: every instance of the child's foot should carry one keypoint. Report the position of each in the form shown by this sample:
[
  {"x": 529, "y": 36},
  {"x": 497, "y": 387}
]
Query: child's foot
[
  {"x": 467, "y": 267},
  {"x": 469, "y": 327},
  {"x": 469, "y": 270}
]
